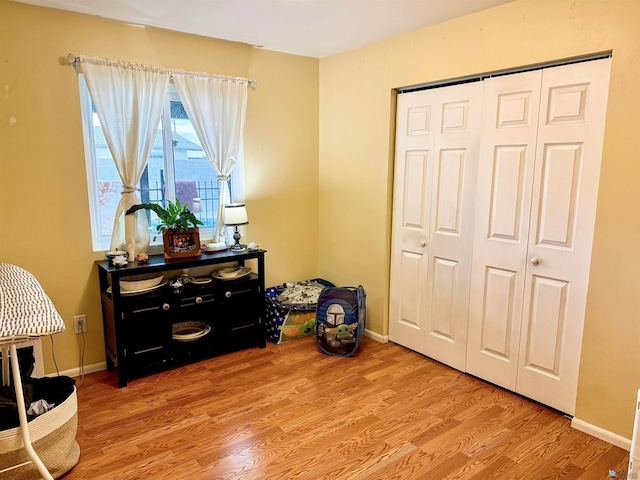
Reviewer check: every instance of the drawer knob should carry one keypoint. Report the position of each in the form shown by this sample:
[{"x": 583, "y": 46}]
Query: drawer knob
[
  {"x": 166, "y": 306},
  {"x": 198, "y": 299},
  {"x": 227, "y": 294}
]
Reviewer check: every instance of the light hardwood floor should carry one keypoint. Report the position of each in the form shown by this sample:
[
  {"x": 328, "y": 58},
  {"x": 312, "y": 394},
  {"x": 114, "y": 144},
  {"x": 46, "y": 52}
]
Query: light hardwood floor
[{"x": 291, "y": 412}]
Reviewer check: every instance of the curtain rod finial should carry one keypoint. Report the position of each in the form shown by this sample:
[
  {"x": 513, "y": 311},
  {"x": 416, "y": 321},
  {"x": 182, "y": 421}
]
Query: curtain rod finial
[{"x": 71, "y": 58}]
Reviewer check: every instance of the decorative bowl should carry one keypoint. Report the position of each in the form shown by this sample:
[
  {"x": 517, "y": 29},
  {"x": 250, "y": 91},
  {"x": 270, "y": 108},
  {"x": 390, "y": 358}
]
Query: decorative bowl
[
  {"x": 201, "y": 271},
  {"x": 189, "y": 331},
  {"x": 141, "y": 282},
  {"x": 230, "y": 271}
]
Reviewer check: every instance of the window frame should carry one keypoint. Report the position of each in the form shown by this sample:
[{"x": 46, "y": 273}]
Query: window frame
[{"x": 102, "y": 242}]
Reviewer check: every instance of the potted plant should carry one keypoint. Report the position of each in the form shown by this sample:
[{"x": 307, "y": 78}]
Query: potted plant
[{"x": 179, "y": 227}]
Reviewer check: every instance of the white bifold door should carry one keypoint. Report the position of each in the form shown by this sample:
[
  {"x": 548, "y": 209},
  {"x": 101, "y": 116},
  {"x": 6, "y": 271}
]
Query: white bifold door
[
  {"x": 437, "y": 144},
  {"x": 537, "y": 170},
  {"x": 537, "y": 190}
]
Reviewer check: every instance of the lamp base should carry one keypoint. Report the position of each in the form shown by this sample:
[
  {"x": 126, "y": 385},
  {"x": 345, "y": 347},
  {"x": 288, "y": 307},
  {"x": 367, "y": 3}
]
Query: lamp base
[{"x": 236, "y": 246}]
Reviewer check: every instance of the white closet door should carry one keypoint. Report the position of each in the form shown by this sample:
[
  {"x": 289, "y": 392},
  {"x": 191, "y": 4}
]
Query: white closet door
[
  {"x": 434, "y": 192},
  {"x": 505, "y": 179},
  {"x": 415, "y": 132},
  {"x": 537, "y": 192},
  {"x": 565, "y": 190}
]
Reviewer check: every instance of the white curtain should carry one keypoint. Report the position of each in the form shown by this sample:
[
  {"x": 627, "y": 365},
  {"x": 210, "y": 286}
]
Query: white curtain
[
  {"x": 216, "y": 107},
  {"x": 128, "y": 99}
]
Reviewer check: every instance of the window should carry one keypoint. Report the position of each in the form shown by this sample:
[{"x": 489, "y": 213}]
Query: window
[{"x": 177, "y": 168}]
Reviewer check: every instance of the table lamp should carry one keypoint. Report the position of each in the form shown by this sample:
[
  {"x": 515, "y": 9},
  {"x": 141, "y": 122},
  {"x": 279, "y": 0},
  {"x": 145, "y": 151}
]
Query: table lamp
[{"x": 235, "y": 214}]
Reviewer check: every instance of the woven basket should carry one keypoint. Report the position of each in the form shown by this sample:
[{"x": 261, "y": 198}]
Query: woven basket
[{"x": 53, "y": 437}]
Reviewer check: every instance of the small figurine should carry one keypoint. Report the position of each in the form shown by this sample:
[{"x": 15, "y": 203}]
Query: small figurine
[
  {"x": 177, "y": 284},
  {"x": 120, "y": 261},
  {"x": 142, "y": 257}
]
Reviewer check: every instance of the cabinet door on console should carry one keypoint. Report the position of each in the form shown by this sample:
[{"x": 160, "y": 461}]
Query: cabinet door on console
[
  {"x": 238, "y": 318},
  {"x": 148, "y": 332}
]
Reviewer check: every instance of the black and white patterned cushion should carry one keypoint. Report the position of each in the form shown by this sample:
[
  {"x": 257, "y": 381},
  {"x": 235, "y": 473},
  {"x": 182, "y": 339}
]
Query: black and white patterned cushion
[{"x": 25, "y": 310}]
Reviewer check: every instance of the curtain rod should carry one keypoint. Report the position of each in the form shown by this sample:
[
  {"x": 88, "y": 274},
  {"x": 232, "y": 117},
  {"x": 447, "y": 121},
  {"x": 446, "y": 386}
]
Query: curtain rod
[{"x": 74, "y": 60}]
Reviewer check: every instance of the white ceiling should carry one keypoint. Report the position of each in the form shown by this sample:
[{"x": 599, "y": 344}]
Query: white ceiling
[{"x": 313, "y": 28}]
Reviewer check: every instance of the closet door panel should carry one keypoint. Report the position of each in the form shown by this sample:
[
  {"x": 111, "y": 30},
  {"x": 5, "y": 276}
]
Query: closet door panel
[
  {"x": 410, "y": 302},
  {"x": 448, "y": 192},
  {"x": 507, "y": 193},
  {"x": 505, "y": 181},
  {"x": 558, "y": 192},
  {"x": 569, "y": 149},
  {"x": 442, "y": 297},
  {"x": 411, "y": 219},
  {"x": 546, "y": 320},
  {"x": 434, "y": 187},
  {"x": 455, "y": 157},
  {"x": 499, "y": 297}
]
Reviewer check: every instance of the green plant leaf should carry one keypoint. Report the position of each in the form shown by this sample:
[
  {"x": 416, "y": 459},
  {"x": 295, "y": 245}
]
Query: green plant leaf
[
  {"x": 161, "y": 212},
  {"x": 176, "y": 215}
]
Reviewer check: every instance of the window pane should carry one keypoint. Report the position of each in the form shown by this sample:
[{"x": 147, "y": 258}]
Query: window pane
[
  {"x": 196, "y": 181},
  {"x": 108, "y": 183},
  {"x": 152, "y": 181}
]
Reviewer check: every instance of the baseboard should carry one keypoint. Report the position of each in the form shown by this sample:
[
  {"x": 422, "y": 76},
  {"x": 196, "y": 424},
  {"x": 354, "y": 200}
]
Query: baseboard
[
  {"x": 601, "y": 433},
  {"x": 76, "y": 372},
  {"x": 376, "y": 336}
]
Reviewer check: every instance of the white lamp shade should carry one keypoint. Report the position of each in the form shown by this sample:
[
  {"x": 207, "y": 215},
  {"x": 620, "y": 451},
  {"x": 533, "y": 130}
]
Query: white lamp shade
[{"x": 235, "y": 214}]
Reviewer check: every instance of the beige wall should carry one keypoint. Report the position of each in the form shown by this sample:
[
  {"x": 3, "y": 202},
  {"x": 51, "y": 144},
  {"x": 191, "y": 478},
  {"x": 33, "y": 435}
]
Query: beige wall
[
  {"x": 356, "y": 142},
  {"x": 44, "y": 218}
]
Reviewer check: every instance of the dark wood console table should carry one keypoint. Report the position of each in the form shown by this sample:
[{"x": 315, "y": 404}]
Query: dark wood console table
[{"x": 139, "y": 327}]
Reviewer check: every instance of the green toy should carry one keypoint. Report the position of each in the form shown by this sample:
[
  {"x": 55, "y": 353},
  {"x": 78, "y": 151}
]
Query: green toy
[{"x": 299, "y": 330}]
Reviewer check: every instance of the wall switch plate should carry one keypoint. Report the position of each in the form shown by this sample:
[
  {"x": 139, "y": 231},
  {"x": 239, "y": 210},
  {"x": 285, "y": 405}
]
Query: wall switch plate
[{"x": 80, "y": 323}]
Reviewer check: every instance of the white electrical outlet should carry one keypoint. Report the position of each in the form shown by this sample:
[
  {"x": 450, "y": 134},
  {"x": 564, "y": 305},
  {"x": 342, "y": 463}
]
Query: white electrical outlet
[{"x": 80, "y": 323}]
